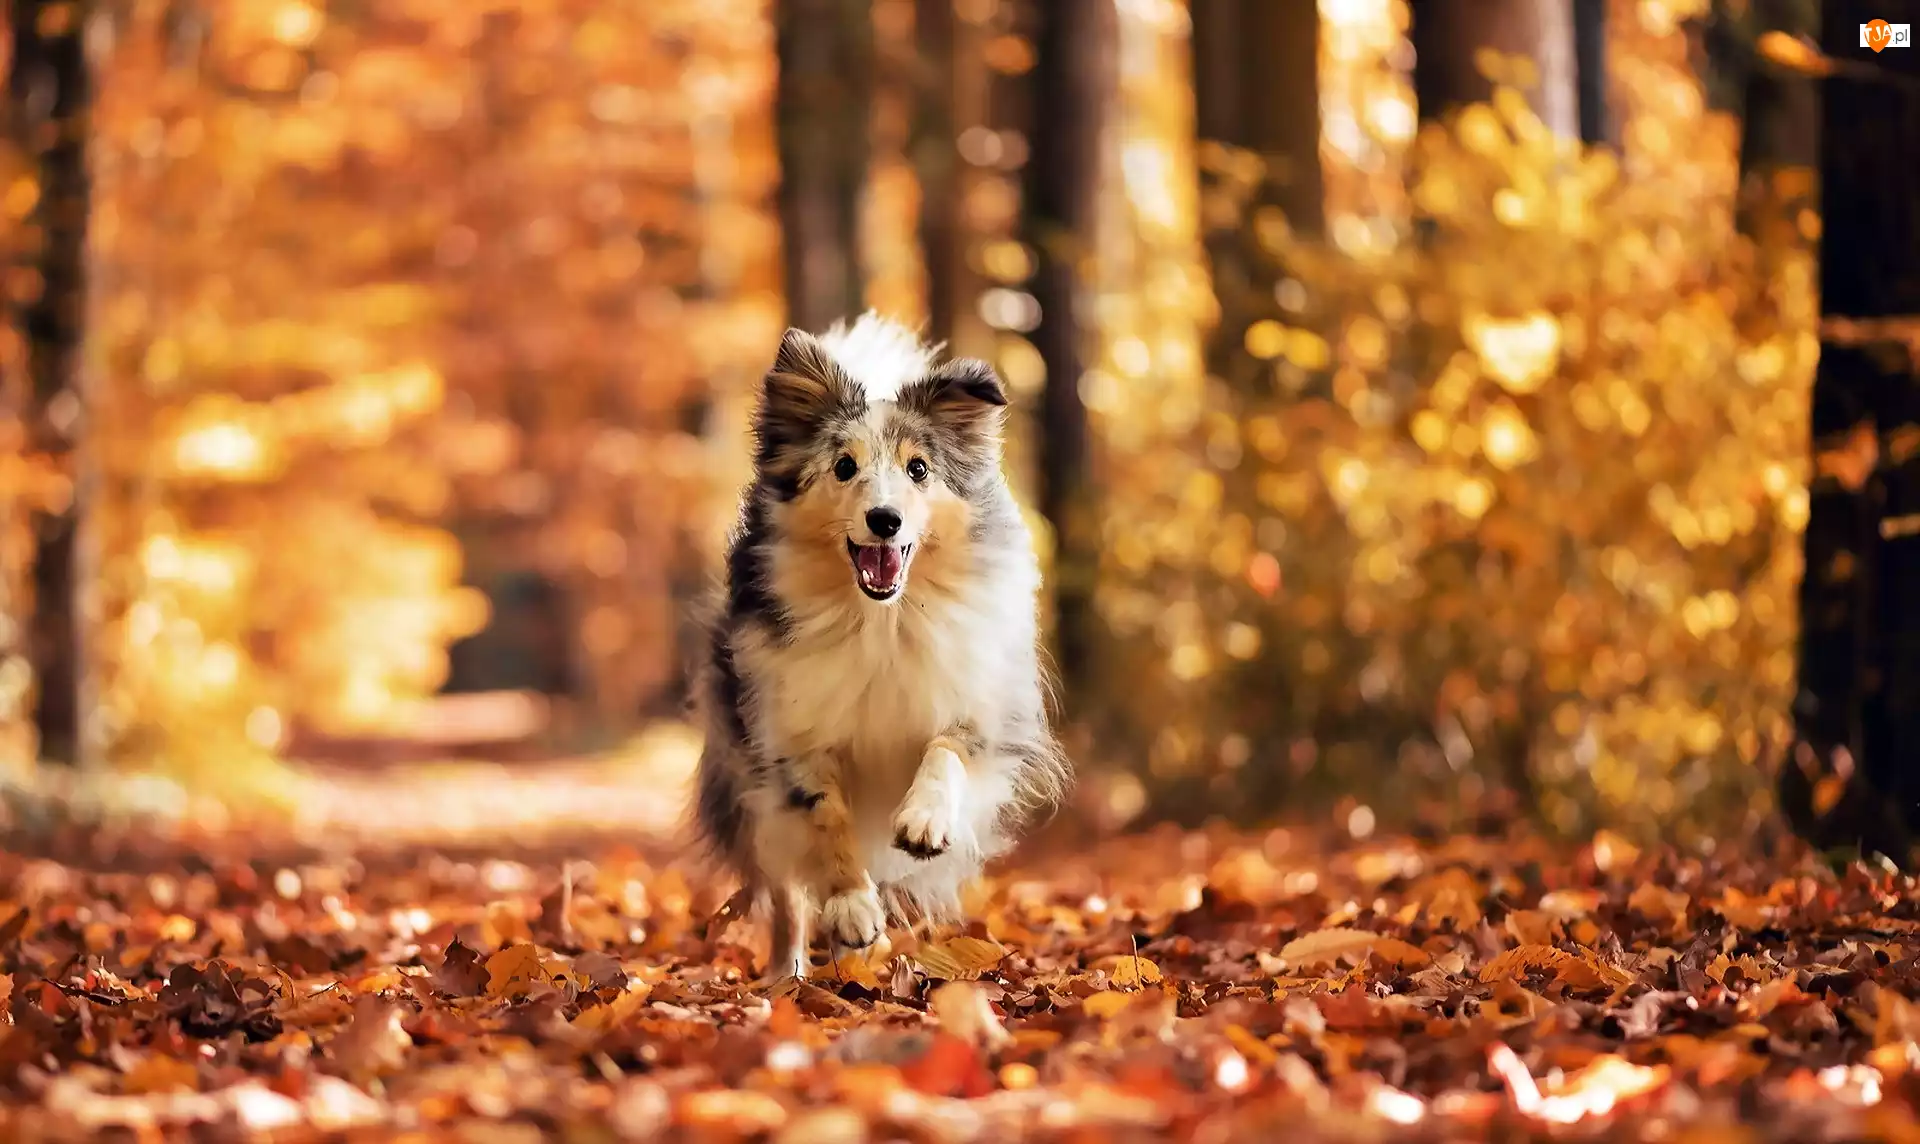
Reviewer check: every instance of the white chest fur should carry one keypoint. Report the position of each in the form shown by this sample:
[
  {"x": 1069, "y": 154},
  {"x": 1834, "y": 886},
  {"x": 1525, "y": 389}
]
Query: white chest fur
[{"x": 876, "y": 682}]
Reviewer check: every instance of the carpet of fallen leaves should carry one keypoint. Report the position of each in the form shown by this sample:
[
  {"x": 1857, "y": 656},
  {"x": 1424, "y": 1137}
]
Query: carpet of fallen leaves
[{"x": 1192, "y": 986}]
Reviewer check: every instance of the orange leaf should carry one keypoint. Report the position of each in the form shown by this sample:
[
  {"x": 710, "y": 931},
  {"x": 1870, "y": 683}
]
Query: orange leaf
[
  {"x": 959, "y": 959},
  {"x": 1328, "y": 946},
  {"x": 513, "y": 971},
  {"x": 1128, "y": 970},
  {"x": 1571, "y": 970},
  {"x": 615, "y": 1013},
  {"x": 1106, "y": 1005},
  {"x": 852, "y": 966},
  {"x": 1655, "y": 903}
]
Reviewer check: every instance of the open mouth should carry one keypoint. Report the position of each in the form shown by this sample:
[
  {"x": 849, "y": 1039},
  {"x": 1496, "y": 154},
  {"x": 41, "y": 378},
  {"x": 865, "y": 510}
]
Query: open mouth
[{"x": 879, "y": 569}]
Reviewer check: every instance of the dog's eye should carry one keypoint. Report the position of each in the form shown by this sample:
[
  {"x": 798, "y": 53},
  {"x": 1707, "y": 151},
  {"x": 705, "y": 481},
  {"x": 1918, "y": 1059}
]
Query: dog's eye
[
  {"x": 917, "y": 469},
  {"x": 845, "y": 468}
]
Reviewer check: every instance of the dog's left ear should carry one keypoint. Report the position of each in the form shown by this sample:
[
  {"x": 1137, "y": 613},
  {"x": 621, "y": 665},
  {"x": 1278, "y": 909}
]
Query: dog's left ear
[{"x": 965, "y": 393}]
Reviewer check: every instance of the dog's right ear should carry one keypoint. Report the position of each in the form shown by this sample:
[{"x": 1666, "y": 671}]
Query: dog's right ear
[{"x": 803, "y": 386}]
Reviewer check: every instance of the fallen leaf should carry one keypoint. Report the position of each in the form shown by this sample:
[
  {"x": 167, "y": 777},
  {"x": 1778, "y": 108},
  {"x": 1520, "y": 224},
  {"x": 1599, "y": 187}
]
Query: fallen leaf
[
  {"x": 506, "y": 924},
  {"x": 958, "y": 958},
  {"x": 1106, "y": 1004},
  {"x": 962, "y": 1009},
  {"x": 1611, "y": 852},
  {"x": 950, "y": 1067},
  {"x": 461, "y": 972},
  {"x": 852, "y": 966},
  {"x": 161, "y": 1072},
  {"x": 1128, "y": 970},
  {"x": 1656, "y": 903},
  {"x": 1577, "y": 971},
  {"x": 514, "y": 971},
  {"x": 372, "y": 1045},
  {"x": 617, "y": 1012}
]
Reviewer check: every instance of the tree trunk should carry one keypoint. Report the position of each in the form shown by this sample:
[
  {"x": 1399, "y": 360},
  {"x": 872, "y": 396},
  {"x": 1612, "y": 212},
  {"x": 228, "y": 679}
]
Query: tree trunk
[
  {"x": 47, "y": 98},
  {"x": 936, "y": 156},
  {"x": 1597, "y": 121},
  {"x": 825, "y": 95},
  {"x": 1447, "y": 34},
  {"x": 1070, "y": 90},
  {"x": 1859, "y": 690},
  {"x": 1256, "y": 68},
  {"x": 1779, "y": 122},
  {"x": 1256, "y": 88}
]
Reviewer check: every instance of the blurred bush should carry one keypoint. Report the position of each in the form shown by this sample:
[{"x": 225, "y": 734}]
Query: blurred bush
[{"x": 1514, "y": 504}]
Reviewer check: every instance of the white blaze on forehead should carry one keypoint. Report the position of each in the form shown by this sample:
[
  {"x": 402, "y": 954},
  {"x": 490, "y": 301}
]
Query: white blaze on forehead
[{"x": 879, "y": 353}]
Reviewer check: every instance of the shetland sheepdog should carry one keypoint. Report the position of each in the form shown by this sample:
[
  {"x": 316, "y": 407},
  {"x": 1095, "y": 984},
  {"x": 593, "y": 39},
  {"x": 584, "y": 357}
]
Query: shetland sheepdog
[{"x": 873, "y": 691}]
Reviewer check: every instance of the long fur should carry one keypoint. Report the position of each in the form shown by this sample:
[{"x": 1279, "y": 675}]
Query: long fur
[{"x": 865, "y": 757}]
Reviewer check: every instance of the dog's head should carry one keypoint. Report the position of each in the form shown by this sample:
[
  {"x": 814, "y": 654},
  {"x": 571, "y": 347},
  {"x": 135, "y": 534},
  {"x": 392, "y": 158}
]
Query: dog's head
[{"x": 875, "y": 453}]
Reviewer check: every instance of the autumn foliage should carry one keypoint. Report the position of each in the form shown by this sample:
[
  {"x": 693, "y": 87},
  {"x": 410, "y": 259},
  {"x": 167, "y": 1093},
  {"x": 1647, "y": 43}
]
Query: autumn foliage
[
  {"x": 372, "y": 284},
  {"x": 1515, "y": 501}
]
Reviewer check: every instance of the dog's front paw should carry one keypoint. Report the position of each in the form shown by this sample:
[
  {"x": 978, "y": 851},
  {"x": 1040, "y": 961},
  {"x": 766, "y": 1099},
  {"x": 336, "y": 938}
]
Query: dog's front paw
[
  {"x": 923, "y": 827},
  {"x": 854, "y": 919}
]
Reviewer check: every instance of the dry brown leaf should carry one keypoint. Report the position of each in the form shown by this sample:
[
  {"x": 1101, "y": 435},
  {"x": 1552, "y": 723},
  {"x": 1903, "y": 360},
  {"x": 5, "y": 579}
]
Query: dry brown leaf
[
  {"x": 1509, "y": 1005},
  {"x": 373, "y": 1044},
  {"x": 1329, "y": 946},
  {"x": 1576, "y": 971},
  {"x": 1657, "y": 903},
  {"x": 1612, "y": 852},
  {"x": 613, "y": 1014},
  {"x": 161, "y": 1072},
  {"x": 1452, "y": 898},
  {"x": 960, "y": 958},
  {"x": 1128, "y": 970},
  {"x": 1534, "y": 927},
  {"x": 1106, "y": 1004},
  {"x": 962, "y": 1009},
  {"x": 1569, "y": 904},
  {"x": 514, "y": 971},
  {"x": 1742, "y": 910},
  {"x": 506, "y": 924}
]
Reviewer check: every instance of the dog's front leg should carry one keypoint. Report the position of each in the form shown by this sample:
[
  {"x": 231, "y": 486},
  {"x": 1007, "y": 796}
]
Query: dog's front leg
[
  {"x": 851, "y": 915},
  {"x": 932, "y": 817}
]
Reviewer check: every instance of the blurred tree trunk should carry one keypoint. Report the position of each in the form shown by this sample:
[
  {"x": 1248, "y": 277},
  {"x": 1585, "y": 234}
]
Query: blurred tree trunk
[
  {"x": 936, "y": 157},
  {"x": 1256, "y": 88},
  {"x": 1779, "y": 124},
  {"x": 47, "y": 99},
  {"x": 825, "y": 96},
  {"x": 1598, "y": 124},
  {"x": 1858, "y": 704},
  {"x": 1071, "y": 88},
  {"x": 1448, "y": 34},
  {"x": 1256, "y": 71}
]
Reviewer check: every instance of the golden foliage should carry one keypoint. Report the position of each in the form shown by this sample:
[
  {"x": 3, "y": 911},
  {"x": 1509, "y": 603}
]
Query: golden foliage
[
  {"x": 1145, "y": 388},
  {"x": 1526, "y": 492},
  {"x": 359, "y": 273}
]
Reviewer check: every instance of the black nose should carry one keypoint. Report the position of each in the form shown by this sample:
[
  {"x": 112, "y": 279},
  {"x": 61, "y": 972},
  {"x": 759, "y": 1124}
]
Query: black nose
[{"x": 883, "y": 521}]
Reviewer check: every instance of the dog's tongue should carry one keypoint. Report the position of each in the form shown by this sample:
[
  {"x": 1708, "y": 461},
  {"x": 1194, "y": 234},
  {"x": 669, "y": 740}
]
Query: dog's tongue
[{"x": 879, "y": 566}]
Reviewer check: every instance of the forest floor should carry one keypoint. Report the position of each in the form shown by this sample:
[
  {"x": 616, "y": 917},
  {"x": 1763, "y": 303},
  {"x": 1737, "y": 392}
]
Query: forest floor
[{"x": 1196, "y": 986}]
